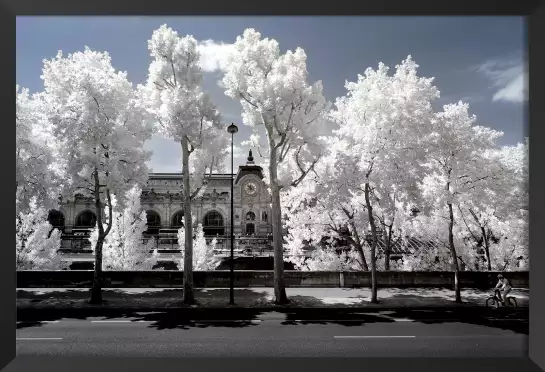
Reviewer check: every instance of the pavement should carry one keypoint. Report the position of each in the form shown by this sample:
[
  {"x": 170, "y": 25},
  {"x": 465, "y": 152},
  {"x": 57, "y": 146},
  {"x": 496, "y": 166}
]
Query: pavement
[
  {"x": 333, "y": 322},
  {"x": 331, "y": 332},
  {"x": 162, "y": 298}
]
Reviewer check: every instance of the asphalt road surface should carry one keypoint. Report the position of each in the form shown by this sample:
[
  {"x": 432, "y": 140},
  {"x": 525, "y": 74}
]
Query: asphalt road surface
[{"x": 179, "y": 333}]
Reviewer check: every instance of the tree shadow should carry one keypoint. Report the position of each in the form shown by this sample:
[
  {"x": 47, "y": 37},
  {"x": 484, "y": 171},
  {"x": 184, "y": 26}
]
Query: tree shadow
[
  {"x": 72, "y": 304},
  {"x": 166, "y": 319},
  {"x": 212, "y": 310}
]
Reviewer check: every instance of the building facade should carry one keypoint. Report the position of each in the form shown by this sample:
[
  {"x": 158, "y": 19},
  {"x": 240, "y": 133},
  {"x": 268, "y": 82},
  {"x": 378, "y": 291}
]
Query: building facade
[{"x": 163, "y": 202}]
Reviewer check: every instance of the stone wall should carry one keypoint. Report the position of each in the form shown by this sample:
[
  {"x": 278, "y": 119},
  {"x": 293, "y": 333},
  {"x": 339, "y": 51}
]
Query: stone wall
[{"x": 220, "y": 279}]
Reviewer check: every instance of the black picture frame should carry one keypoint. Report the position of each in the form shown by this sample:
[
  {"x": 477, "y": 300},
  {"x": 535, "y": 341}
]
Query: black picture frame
[{"x": 534, "y": 10}]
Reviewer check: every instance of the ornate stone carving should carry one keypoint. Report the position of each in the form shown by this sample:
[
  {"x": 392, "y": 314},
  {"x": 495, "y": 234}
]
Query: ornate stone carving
[{"x": 215, "y": 196}]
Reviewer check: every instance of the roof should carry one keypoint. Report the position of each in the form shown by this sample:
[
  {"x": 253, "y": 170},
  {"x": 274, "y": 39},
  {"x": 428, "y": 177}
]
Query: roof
[{"x": 178, "y": 175}]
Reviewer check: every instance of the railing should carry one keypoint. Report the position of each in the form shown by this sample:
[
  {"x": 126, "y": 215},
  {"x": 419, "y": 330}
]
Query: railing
[
  {"x": 80, "y": 242},
  {"x": 81, "y": 256},
  {"x": 75, "y": 242}
]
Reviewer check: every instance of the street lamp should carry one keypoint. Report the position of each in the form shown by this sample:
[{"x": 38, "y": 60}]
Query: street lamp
[{"x": 232, "y": 129}]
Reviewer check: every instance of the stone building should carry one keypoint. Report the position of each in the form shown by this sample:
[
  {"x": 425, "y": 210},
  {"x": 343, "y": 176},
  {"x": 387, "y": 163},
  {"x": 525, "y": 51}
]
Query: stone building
[{"x": 162, "y": 200}]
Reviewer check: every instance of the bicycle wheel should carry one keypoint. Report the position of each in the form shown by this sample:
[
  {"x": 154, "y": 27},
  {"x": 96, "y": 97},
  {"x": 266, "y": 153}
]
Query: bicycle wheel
[
  {"x": 492, "y": 303},
  {"x": 511, "y": 302}
]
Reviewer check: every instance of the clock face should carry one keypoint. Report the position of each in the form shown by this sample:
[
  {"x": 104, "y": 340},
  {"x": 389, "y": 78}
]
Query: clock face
[{"x": 250, "y": 188}]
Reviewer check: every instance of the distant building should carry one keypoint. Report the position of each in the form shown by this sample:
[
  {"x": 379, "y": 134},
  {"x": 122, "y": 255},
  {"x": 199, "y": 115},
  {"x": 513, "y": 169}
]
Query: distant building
[{"x": 162, "y": 200}]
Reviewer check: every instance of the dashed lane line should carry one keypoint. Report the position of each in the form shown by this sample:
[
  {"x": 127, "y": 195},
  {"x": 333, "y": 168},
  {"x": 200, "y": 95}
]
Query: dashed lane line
[{"x": 374, "y": 337}]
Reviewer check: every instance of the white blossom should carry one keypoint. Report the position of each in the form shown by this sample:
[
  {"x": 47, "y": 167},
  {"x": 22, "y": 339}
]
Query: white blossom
[
  {"x": 36, "y": 241},
  {"x": 203, "y": 252}
]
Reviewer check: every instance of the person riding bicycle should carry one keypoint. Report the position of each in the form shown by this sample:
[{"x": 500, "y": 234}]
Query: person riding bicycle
[{"x": 504, "y": 286}]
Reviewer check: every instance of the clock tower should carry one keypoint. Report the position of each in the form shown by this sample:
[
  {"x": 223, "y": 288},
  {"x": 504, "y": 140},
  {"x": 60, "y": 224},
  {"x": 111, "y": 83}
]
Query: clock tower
[{"x": 254, "y": 200}]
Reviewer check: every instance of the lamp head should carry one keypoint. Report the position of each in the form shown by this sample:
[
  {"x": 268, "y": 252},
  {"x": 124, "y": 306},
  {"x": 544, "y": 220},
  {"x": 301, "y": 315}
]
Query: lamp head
[{"x": 232, "y": 129}]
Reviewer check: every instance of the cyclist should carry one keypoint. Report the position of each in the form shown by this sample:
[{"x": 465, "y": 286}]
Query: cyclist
[{"x": 504, "y": 286}]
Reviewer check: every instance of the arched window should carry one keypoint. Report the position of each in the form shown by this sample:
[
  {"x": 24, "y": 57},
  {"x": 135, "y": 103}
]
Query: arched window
[
  {"x": 153, "y": 222},
  {"x": 213, "y": 224},
  {"x": 250, "y": 229},
  {"x": 86, "y": 219},
  {"x": 56, "y": 219},
  {"x": 250, "y": 216},
  {"x": 177, "y": 219}
]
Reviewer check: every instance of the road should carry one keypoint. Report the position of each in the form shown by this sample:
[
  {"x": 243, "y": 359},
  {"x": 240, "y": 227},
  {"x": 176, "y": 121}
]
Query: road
[{"x": 179, "y": 333}]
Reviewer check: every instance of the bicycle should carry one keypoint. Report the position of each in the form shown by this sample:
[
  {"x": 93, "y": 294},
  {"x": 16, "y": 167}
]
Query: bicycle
[{"x": 495, "y": 301}]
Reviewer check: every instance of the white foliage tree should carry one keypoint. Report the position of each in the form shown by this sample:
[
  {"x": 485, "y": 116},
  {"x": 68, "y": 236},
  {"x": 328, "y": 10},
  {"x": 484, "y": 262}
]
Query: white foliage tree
[
  {"x": 101, "y": 129},
  {"x": 36, "y": 241},
  {"x": 328, "y": 259},
  {"x": 203, "y": 252},
  {"x": 183, "y": 112},
  {"x": 124, "y": 248},
  {"x": 274, "y": 93},
  {"x": 456, "y": 169},
  {"x": 428, "y": 237},
  {"x": 317, "y": 217},
  {"x": 378, "y": 146},
  {"x": 38, "y": 174},
  {"x": 497, "y": 215}
]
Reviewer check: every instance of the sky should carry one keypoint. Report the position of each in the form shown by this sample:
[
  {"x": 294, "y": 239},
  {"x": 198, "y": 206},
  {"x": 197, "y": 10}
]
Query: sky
[{"x": 479, "y": 60}]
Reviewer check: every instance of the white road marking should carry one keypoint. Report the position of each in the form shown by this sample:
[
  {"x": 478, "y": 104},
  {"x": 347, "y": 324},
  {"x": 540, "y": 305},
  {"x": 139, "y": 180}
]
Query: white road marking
[
  {"x": 227, "y": 321},
  {"x": 506, "y": 319},
  {"x": 374, "y": 336},
  {"x": 37, "y": 338},
  {"x": 191, "y": 321},
  {"x": 349, "y": 320}
]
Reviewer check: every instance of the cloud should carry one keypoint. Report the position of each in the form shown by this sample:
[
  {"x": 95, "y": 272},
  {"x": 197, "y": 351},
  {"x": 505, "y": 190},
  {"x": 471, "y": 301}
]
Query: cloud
[
  {"x": 214, "y": 55},
  {"x": 468, "y": 98},
  {"x": 514, "y": 91},
  {"x": 508, "y": 77},
  {"x": 238, "y": 152}
]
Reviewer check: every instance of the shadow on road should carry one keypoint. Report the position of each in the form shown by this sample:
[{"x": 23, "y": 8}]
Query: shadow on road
[
  {"x": 251, "y": 305},
  {"x": 238, "y": 318}
]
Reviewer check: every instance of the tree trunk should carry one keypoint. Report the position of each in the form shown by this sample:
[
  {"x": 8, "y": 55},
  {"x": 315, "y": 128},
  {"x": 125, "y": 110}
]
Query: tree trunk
[
  {"x": 359, "y": 246},
  {"x": 364, "y": 264},
  {"x": 486, "y": 241},
  {"x": 454, "y": 255},
  {"x": 387, "y": 251},
  {"x": 486, "y": 248},
  {"x": 374, "y": 298},
  {"x": 96, "y": 290},
  {"x": 189, "y": 298},
  {"x": 276, "y": 220}
]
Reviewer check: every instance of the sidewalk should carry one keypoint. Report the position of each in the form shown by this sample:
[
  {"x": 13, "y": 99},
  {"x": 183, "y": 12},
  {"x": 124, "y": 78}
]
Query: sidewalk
[{"x": 157, "y": 298}]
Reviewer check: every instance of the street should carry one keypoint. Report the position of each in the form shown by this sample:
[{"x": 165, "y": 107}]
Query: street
[{"x": 318, "y": 332}]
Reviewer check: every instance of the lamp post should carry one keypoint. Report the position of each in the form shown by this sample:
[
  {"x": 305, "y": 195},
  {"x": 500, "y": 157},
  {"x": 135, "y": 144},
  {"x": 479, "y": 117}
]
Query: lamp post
[{"x": 232, "y": 129}]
